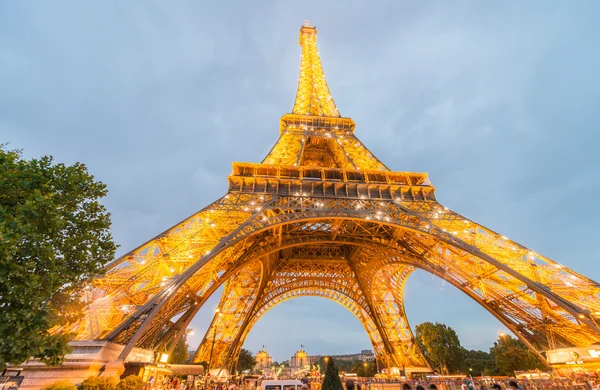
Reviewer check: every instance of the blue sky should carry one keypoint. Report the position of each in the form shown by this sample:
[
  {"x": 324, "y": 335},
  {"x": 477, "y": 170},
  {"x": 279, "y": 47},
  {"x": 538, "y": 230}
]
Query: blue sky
[{"x": 497, "y": 101}]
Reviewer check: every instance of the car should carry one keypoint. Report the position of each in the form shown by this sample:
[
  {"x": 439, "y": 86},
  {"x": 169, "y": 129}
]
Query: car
[{"x": 291, "y": 384}]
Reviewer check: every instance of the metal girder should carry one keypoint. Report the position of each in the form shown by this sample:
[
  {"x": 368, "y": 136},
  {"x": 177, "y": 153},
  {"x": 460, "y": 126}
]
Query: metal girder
[{"x": 322, "y": 216}]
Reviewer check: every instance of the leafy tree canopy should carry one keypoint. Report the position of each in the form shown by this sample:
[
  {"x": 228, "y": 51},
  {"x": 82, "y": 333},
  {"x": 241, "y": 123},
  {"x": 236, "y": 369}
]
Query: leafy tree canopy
[
  {"x": 441, "y": 347},
  {"x": 363, "y": 369},
  {"x": 180, "y": 352},
  {"x": 510, "y": 355},
  {"x": 246, "y": 361},
  {"x": 477, "y": 363},
  {"x": 54, "y": 236}
]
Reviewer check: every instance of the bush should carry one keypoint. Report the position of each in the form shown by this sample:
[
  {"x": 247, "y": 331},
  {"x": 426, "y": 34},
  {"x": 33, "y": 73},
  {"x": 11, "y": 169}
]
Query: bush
[
  {"x": 61, "y": 385},
  {"x": 132, "y": 382},
  {"x": 98, "y": 383}
]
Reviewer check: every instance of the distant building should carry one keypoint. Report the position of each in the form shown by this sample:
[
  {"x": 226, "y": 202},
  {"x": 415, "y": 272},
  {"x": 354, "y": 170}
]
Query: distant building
[
  {"x": 263, "y": 360},
  {"x": 301, "y": 359},
  {"x": 366, "y": 355}
]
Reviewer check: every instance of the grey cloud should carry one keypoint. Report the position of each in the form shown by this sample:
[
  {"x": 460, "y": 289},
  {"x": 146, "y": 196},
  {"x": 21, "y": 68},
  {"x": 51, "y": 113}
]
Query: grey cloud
[{"x": 498, "y": 102}]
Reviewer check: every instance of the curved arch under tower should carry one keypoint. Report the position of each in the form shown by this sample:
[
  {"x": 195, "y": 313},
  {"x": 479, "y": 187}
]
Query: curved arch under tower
[{"x": 321, "y": 215}]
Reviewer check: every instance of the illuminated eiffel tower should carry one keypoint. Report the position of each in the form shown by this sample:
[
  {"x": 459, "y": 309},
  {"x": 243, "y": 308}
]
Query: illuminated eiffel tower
[{"x": 322, "y": 216}]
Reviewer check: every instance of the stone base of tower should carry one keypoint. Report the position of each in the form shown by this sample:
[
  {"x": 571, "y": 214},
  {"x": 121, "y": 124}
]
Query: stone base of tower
[
  {"x": 408, "y": 371},
  {"x": 411, "y": 370},
  {"x": 88, "y": 358}
]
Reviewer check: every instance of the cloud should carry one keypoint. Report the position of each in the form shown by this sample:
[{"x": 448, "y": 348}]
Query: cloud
[{"x": 498, "y": 102}]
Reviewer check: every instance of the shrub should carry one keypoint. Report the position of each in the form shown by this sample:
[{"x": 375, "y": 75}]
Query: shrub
[
  {"x": 61, "y": 385},
  {"x": 98, "y": 383},
  {"x": 132, "y": 382}
]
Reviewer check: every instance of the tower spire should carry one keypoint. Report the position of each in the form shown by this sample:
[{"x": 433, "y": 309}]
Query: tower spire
[{"x": 313, "y": 96}]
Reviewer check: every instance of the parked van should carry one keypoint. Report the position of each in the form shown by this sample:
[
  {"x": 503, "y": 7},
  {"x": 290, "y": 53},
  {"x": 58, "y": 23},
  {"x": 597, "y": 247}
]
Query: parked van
[{"x": 291, "y": 384}]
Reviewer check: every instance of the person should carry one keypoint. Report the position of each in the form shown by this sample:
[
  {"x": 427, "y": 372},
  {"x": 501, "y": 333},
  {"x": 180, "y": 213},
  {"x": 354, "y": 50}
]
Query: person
[
  {"x": 406, "y": 386},
  {"x": 150, "y": 383},
  {"x": 483, "y": 387},
  {"x": 432, "y": 387},
  {"x": 496, "y": 386},
  {"x": 349, "y": 384},
  {"x": 419, "y": 387},
  {"x": 463, "y": 386},
  {"x": 514, "y": 385}
]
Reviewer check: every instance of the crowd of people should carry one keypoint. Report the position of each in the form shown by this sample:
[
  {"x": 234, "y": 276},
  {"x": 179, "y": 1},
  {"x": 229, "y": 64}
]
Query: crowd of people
[
  {"x": 176, "y": 383},
  {"x": 470, "y": 384}
]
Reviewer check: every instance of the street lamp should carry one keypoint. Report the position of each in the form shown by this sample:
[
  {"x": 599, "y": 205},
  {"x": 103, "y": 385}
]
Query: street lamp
[
  {"x": 503, "y": 338},
  {"x": 212, "y": 347}
]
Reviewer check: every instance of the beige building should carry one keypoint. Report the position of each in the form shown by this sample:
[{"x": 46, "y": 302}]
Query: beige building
[
  {"x": 263, "y": 360},
  {"x": 366, "y": 355},
  {"x": 300, "y": 359}
]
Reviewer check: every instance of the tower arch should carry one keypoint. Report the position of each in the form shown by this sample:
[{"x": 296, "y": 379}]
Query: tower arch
[{"x": 322, "y": 202}]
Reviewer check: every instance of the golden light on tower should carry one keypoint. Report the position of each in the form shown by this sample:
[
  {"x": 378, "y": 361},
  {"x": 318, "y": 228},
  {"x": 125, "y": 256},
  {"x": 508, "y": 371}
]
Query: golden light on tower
[{"x": 322, "y": 216}]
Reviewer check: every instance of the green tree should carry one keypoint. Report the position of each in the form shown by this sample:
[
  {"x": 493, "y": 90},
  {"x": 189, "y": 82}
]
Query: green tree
[
  {"x": 341, "y": 365},
  {"x": 357, "y": 368},
  {"x": 245, "y": 361},
  {"x": 477, "y": 362},
  {"x": 441, "y": 347},
  {"x": 54, "y": 235},
  {"x": 332, "y": 380},
  {"x": 363, "y": 369},
  {"x": 98, "y": 383},
  {"x": 61, "y": 385},
  {"x": 180, "y": 353},
  {"x": 510, "y": 355},
  {"x": 370, "y": 369},
  {"x": 131, "y": 382}
]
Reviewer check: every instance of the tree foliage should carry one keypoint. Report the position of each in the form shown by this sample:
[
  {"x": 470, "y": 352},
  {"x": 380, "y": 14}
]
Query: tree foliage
[
  {"x": 441, "y": 347},
  {"x": 332, "y": 380},
  {"x": 61, "y": 385},
  {"x": 477, "y": 363},
  {"x": 54, "y": 236},
  {"x": 363, "y": 369},
  {"x": 510, "y": 355},
  {"x": 341, "y": 365},
  {"x": 180, "y": 352},
  {"x": 246, "y": 361},
  {"x": 98, "y": 383},
  {"x": 131, "y": 382}
]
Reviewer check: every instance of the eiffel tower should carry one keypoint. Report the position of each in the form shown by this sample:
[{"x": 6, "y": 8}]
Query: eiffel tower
[{"x": 322, "y": 216}]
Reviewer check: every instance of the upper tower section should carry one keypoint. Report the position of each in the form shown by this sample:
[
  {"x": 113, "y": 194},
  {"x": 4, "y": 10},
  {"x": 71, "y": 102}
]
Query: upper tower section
[
  {"x": 314, "y": 134},
  {"x": 313, "y": 96}
]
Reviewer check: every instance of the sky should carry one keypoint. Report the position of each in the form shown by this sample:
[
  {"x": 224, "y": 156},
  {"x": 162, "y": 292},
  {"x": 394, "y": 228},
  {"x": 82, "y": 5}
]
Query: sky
[{"x": 497, "y": 101}]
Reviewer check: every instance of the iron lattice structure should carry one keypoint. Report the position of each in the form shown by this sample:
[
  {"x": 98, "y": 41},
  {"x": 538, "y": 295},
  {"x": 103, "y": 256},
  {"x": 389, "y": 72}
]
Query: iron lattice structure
[{"x": 322, "y": 216}]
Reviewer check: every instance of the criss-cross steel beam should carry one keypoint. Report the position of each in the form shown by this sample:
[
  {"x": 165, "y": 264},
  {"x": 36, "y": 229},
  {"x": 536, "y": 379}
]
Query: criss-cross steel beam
[{"x": 322, "y": 216}]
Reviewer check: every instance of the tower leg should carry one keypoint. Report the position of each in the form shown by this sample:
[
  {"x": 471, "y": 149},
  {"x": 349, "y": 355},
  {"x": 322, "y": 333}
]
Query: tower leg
[{"x": 236, "y": 303}]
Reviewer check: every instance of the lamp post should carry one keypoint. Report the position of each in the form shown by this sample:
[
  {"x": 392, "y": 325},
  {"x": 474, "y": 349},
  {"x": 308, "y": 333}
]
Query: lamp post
[
  {"x": 503, "y": 338},
  {"x": 212, "y": 347}
]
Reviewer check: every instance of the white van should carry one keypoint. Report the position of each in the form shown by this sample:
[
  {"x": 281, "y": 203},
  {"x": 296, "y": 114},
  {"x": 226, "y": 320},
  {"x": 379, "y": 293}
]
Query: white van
[{"x": 292, "y": 384}]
